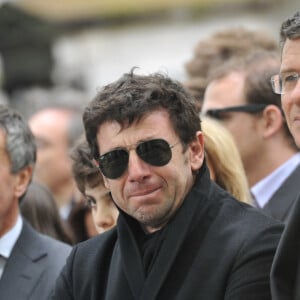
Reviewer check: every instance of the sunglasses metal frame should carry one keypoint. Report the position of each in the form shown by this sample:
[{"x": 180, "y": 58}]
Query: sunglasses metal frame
[{"x": 109, "y": 175}]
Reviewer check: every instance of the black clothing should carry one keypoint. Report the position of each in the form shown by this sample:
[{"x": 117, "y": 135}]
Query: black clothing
[{"x": 214, "y": 248}]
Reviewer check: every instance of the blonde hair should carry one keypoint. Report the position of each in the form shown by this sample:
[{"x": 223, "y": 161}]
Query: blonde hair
[{"x": 224, "y": 161}]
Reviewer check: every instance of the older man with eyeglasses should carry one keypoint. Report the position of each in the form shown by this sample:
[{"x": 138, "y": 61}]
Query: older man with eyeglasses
[
  {"x": 239, "y": 94},
  {"x": 285, "y": 275}
]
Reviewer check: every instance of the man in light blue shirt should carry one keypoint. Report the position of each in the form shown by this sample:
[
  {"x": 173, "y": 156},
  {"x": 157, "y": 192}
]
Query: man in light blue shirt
[
  {"x": 240, "y": 95},
  {"x": 265, "y": 189}
]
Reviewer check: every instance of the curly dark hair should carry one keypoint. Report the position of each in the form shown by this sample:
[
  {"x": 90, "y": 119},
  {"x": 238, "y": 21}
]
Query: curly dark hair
[
  {"x": 132, "y": 96},
  {"x": 84, "y": 170}
]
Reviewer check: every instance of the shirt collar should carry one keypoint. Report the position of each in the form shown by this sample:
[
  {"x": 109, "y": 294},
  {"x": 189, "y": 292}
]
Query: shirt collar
[
  {"x": 8, "y": 240},
  {"x": 264, "y": 189}
]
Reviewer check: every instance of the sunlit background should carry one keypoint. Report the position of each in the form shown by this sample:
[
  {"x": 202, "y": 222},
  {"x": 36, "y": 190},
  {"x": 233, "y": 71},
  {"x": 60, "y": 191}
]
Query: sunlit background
[{"x": 70, "y": 48}]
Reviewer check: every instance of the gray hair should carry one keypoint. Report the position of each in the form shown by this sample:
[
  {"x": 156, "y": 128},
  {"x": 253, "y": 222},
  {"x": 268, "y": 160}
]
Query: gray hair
[
  {"x": 20, "y": 143},
  {"x": 290, "y": 29}
]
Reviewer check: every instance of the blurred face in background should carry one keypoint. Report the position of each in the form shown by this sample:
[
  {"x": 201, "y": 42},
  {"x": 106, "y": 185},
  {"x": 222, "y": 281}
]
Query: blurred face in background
[
  {"x": 53, "y": 166},
  {"x": 290, "y": 62},
  {"x": 226, "y": 92}
]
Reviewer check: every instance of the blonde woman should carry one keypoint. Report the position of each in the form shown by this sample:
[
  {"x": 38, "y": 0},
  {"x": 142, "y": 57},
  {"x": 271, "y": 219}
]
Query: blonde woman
[{"x": 223, "y": 160}]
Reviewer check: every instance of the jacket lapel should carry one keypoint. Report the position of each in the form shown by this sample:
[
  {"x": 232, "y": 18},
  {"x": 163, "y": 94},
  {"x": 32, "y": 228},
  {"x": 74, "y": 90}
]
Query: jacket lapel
[
  {"x": 281, "y": 202},
  {"x": 117, "y": 284},
  {"x": 131, "y": 257},
  {"x": 22, "y": 266}
]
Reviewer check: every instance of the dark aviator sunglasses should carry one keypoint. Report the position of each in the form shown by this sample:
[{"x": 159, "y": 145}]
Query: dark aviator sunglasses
[{"x": 156, "y": 152}]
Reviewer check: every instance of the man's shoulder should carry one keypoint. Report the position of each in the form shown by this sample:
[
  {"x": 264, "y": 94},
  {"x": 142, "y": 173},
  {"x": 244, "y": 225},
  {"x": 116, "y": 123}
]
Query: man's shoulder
[
  {"x": 234, "y": 224},
  {"x": 101, "y": 242},
  {"x": 52, "y": 245},
  {"x": 282, "y": 201},
  {"x": 37, "y": 257},
  {"x": 94, "y": 251},
  {"x": 39, "y": 247},
  {"x": 248, "y": 217}
]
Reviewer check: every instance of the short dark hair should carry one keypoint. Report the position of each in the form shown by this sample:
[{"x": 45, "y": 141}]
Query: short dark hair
[
  {"x": 84, "y": 170},
  {"x": 133, "y": 96},
  {"x": 290, "y": 29}
]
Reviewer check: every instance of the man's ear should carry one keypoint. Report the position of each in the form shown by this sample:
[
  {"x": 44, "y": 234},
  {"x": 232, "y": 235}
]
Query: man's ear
[
  {"x": 106, "y": 182},
  {"x": 23, "y": 179},
  {"x": 197, "y": 151},
  {"x": 273, "y": 120}
]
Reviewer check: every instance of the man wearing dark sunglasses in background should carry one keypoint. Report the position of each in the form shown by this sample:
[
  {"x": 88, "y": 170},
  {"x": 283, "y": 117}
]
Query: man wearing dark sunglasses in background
[
  {"x": 285, "y": 275},
  {"x": 240, "y": 96},
  {"x": 178, "y": 235}
]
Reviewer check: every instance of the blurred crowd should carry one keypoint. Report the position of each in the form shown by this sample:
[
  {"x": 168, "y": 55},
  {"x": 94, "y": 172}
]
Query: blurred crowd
[{"x": 249, "y": 149}]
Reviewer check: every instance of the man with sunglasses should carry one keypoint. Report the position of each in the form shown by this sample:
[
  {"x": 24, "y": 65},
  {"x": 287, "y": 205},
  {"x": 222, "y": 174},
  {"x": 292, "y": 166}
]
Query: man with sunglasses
[
  {"x": 178, "y": 235},
  {"x": 240, "y": 96},
  {"x": 285, "y": 275}
]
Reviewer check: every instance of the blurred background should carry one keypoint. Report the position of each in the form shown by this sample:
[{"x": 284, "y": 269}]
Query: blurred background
[{"x": 67, "y": 49}]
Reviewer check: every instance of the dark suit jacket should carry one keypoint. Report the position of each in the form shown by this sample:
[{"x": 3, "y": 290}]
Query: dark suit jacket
[
  {"x": 285, "y": 274},
  {"x": 281, "y": 203},
  {"x": 214, "y": 248},
  {"x": 34, "y": 264}
]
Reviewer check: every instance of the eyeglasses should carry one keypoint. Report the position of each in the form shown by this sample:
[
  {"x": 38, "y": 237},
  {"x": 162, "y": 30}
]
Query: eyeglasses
[
  {"x": 284, "y": 82},
  {"x": 155, "y": 152},
  {"x": 218, "y": 113}
]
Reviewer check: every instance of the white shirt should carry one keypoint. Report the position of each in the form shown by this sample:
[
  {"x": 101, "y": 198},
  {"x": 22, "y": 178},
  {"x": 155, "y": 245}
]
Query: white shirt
[
  {"x": 7, "y": 242},
  {"x": 264, "y": 189}
]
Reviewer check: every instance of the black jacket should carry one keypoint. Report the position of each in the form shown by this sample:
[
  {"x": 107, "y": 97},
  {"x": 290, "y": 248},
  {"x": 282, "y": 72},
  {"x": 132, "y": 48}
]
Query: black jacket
[
  {"x": 214, "y": 248},
  {"x": 285, "y": 275}
]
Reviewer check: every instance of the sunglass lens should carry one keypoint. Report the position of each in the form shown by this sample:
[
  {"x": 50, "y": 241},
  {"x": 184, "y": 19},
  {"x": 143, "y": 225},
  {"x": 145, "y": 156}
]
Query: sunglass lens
[
  {"x": 155, "y": 152},
  {"x": 113, "y": 164}
]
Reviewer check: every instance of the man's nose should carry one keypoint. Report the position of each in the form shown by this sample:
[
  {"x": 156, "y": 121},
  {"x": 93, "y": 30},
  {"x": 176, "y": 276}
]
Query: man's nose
[{"x": 138, "y": 170}]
